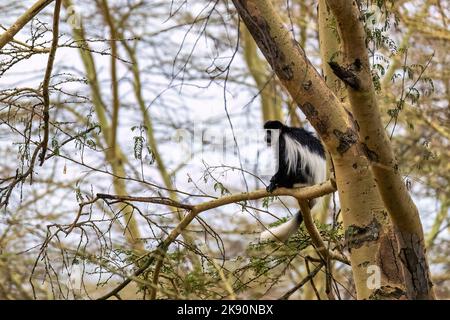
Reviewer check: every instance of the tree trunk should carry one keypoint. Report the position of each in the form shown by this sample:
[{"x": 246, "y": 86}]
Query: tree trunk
[
  {"x": 371, "y": 244},
  {"x": 378, "y": 149}
]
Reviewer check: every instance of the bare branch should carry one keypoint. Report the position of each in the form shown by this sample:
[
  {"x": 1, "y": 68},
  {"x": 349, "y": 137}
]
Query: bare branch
[
  {"x": 315, "y": 235},
  {"x": 46, "y": 83},
  {"x": 309, "y": 277},
  {"x": 159, "y": 254}
]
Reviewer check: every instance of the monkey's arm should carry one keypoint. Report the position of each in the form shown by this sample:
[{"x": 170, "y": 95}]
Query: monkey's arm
[
  {"x": 279, "y": 180},
  {"x": 282, "y": 178},
  {"x": 273, "y": 183}
]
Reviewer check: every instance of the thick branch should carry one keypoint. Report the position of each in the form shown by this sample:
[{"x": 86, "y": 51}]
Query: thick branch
[
  {"x": 157, "y": 200},
  {"x": 333, "y": 123},
  {"x": 365, "y": 109},
  {"x": 315, "y": 235},
  {"x": 305, "y": 85},
  {"x": 9, "y": 34},
  {"x": 114, "y": 84},
  {"x": 46, "y": 82},
  {"x": 299, "y": 193},
  {"x": 378, "y": 150}
]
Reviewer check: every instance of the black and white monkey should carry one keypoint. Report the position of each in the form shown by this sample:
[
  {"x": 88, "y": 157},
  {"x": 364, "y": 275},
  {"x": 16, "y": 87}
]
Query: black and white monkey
[{"x": 301, "y": 161}]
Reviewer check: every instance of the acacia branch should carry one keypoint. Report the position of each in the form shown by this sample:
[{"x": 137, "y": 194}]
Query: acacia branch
[
  {"x": 193, "y": 211},
  {"x": 46, "y": 82},
  {"x": 298, "y": 193},
  {"x": 117, "y": 162},
  {"x": 378, "y": 150},
  {"x": 364, "y": 103},
  {"x": 9, "y": 34},
  {"x": 114, "y": 83},
  {"x": 309, "y": 277},
  {"x": 305, "y": 85},
  {"x": 315, "y": 235}
]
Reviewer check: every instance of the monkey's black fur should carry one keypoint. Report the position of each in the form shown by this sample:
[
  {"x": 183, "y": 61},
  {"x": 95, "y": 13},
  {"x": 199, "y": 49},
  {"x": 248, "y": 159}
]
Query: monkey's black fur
[
  {"x": 301, "y": 160},
  {"x": 284, "y": 177}
]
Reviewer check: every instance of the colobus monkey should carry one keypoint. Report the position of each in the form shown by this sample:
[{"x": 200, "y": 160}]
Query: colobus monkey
[{"x": 301, "y": 161}]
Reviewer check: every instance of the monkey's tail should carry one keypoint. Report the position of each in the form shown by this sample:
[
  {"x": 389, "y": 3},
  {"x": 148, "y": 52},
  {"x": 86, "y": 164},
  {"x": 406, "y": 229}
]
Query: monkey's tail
[{"x": 284, "y": 231}]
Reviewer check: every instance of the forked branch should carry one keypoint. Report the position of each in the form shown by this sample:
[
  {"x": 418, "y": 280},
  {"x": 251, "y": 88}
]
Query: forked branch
[{"x": 302, "y": 194}]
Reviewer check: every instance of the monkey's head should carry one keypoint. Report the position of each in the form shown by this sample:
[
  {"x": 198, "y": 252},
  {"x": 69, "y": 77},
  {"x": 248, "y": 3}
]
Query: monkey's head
[
  {"x": 273, "y": 124},
  {"x": 273, "y": 129}
]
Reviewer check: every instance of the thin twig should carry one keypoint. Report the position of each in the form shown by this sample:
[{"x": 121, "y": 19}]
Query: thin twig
[
  {"x": 302, "y": 283},
  {"x": 313, "y": 285},
  {"x": 299, "y": 193}
]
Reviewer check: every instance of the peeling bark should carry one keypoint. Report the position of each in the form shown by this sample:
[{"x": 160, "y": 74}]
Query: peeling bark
[
  {"x": 388, "y": 293},
  {"x": 347, "y": 74},
  {"x": 417, "y": 277},
  {"x": 377, "y": 148},
  {"x": 356, "y": 236},
  {"x": 346, "y": 139}
]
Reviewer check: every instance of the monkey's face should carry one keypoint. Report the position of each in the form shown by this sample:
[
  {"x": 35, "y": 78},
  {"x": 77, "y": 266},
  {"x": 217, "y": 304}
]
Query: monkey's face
[{"x": 272, "y": 136}]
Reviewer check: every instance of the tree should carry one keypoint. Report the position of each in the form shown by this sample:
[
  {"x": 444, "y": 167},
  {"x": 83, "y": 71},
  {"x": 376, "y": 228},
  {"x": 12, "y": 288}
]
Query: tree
[
  {"x": 342, "y": 137},
  {"x": 104, "y": 202}
]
